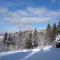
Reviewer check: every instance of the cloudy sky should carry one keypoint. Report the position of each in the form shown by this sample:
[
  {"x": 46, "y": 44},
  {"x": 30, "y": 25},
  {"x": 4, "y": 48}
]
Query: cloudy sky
[{"x": 28, "y": 14}]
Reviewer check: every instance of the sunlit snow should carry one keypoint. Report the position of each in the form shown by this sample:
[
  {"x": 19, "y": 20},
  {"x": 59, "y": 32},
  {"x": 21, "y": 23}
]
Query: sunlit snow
[{"x": 39, "y": 53}]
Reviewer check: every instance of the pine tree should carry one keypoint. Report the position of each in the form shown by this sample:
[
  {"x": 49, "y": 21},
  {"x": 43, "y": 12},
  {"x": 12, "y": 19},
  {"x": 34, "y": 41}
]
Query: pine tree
[
  {"x": 35, "y": 38},
  {"x": 54, "y": 31},
  {"x": 58, "y": 40},
  {"x": 20, "y": 33},
  {"x": 20, "y": 39},
  {"x": 58, "y": 28},
  {"x": 49, "y": 33},
  {"x": 10, "y": 40},
  {"x": 28, "y": 43},
  {"x": 5, "y": 40}
]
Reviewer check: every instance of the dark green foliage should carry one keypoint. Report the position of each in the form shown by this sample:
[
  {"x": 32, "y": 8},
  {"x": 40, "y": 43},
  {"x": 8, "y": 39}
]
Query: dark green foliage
[
  {"x": 35, "y": 38},
  {"x": 28, "y": 43},
  {"x": 5, "y": 40},
  {"x": 58, "y": 28},
  {"x": 20, "y": 39},
  {"x": 54, "y": 31},
  {"x": 58, "y": 33},
  {"x": 8, "y": 40},
  {"x": 49, "y": 33}
]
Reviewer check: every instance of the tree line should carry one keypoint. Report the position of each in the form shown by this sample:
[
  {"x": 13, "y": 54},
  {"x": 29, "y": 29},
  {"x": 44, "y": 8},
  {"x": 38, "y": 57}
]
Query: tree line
[
  {"x": 52, "y": 31},
  {"x": 32, "y": 38},
  {"x": 30, "y": 41}
]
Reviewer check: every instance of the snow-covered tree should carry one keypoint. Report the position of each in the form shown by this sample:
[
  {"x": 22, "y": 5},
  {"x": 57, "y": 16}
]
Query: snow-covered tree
[
  {"x": 20, "y": 39},
  {"x": 10, "y": 40},
  {"x": 5, "y": 39},
  {"x": 58, "y": 28},
  {"x": 57, "y": 41},
  {"x": 28, "y": 43},
  {"x": 48, "y": 33},
  {"x": 35, "y": 39},
  {"x": 54, "y": 31}
]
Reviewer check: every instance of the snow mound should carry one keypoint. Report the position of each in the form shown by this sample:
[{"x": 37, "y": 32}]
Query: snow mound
[{"x": 1, "y": 37}]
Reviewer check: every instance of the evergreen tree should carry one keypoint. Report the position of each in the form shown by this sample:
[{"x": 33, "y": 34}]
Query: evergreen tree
[
  {"x": 58, "y": 28},
  {"x": 28, "y": 43},
  {"x": 20, "y": 39},
  {"x": 58, "y": 36},
  {"x": 35, "y": 38},
  {"x": 49, "y": 33},
  {"x": 5, "y": 40},
  {"x": 20, "y": 33},
  {"x": 10, "y": 40},
  {"x": 54, "y": 31}
]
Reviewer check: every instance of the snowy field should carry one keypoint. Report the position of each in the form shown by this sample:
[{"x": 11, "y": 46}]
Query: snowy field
[{"x": 46, "y": 53}]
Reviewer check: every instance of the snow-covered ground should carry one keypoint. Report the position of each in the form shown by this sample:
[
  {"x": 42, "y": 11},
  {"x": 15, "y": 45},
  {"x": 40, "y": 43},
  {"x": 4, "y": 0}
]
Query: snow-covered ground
[
  {"x": 45, "y": 53},
  {"x": 1, "y": 37}
]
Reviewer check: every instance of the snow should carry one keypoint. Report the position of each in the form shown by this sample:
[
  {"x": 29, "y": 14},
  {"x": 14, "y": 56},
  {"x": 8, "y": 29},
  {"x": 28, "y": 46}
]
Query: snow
[
  {"x": 34, "y": 51},
  {"x": 46, "y": 48},
  {"x": 39, "y": 53},
  {"x": 57, "y": 38},
  {"x": 1, "y": 37}
]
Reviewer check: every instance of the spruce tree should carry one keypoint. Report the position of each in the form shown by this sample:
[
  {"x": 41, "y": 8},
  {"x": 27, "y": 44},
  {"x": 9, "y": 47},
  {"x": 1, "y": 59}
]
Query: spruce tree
[
  {"x": 54, "y": 31},
  {"x": 20, "y": 39},
  {"x": 28, "y": 43},
  {"x": 58, "y": 28},
  {"x": 35, "y": 38},
  {"x": 5, "y": 40},
  {"x": 10, "y": 40},
  {"x": 49, "y": 33},
  {"x": 20, "y": 33}
]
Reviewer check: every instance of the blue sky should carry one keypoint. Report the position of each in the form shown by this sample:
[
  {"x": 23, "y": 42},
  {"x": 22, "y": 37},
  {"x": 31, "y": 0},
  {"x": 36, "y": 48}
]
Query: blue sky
[{"x": 28, "y": 14}]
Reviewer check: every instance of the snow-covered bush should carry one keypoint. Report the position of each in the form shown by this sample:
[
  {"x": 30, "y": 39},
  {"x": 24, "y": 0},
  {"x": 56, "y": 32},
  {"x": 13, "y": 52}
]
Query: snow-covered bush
[{"x": 57, "y": 41}]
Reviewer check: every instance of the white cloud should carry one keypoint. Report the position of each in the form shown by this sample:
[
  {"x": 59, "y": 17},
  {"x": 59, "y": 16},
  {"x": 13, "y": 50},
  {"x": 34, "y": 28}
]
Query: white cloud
[
  {"x": 38, "y": 11},
  {"x": 29, "y": 16}
]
